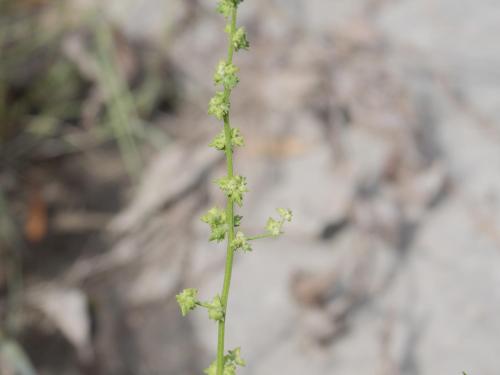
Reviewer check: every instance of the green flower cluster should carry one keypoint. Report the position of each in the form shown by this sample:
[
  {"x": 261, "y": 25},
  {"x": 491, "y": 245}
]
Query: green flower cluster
[
  {"x": 226, "y": 72},
  {"x": 216, "y": 219},
  {"x": 219, "y": 142},
  {"x": 188, "y": 301},
  {"x": 225, "y": 75},
  {"x": 219, "y": 106},
  {"x": 215, "y": 309},
  {"x": 240, "y": 242},
  {"x": 231, "y": 361},
  {"x": 274, "y": 227},
  {"x": 226, "y": 7},
  {"x": 234, "y": 187},
  {"x": 240, "y": 40}
]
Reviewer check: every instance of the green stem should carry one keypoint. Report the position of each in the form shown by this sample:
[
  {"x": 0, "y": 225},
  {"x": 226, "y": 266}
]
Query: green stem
[
  {"x": 229, "y": 211},
  {"x": 260, "y": 236}
]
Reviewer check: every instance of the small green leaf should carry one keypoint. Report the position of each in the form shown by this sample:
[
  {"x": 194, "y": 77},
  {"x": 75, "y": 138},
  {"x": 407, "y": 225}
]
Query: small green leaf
[{"x": 187, "y": 300}]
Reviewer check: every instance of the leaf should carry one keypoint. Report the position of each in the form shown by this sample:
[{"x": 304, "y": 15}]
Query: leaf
[{"x": 35, "y": 226}]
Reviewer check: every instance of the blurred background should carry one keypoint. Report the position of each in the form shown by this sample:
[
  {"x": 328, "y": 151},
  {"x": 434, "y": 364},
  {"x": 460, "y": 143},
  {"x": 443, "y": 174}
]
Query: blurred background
[{"x": 375, "y": 121}]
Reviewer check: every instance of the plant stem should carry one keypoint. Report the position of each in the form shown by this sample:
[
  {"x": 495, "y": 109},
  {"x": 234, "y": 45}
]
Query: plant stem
[
  {"x": 260, "y": 236},
  {"x": 229, "y": 211}
]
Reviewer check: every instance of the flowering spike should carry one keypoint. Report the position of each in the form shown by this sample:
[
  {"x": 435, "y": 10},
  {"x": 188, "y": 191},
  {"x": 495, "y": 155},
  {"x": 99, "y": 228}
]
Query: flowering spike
[{"x": 223, "y": 223}]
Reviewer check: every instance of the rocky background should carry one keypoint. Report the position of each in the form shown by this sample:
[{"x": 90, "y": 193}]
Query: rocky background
[{"x": 375, "y": 121}]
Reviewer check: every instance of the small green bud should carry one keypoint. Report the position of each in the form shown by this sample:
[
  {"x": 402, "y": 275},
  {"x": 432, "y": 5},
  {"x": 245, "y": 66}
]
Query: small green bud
[
  {"x": 273, "y": 227},
  {"x": 187, "y": 300},
  {"x": 216, "y": 219},
  {"x": 219, "y": 106},
  {"x": 215, "y": 309},
  {"x": 240, "y": 40},
  {"x": 285, "y": 214},
  {"x": 234, "y": 188},
  {"x": 219, "y": 142},
  {"x": 226, "y": 75},
  {"x": 240, "y": 242}
]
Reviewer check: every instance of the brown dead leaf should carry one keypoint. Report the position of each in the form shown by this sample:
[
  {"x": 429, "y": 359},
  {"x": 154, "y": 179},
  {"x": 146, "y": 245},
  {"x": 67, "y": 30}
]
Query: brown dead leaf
[{"x": 35, "y": 227}]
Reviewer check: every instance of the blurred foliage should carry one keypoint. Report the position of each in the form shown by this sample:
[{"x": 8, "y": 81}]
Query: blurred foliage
[
  {"x": 45, "y": 96},
  {"x": 44, "y": 91},
  {"x": 38, "y": 87}
]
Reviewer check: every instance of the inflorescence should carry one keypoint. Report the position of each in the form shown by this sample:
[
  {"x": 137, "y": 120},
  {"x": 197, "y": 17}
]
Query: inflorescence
[{"x": 223, "y": 222}]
